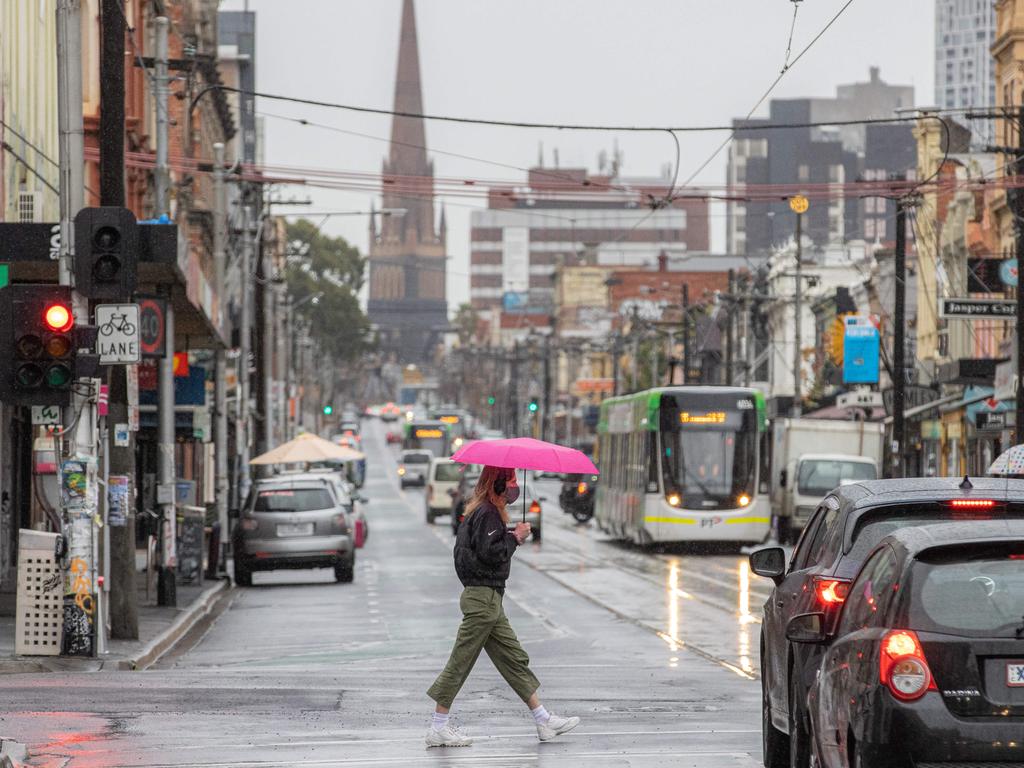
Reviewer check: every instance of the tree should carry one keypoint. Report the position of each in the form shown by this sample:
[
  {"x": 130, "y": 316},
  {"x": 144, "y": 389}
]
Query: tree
[
  {"x": 466, "y": 323},
  {"x": 331, "y": 267}
]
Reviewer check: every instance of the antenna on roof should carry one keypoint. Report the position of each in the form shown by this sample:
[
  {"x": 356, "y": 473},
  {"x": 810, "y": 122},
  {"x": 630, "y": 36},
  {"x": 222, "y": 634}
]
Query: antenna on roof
[{"x": 966, "y": 485}]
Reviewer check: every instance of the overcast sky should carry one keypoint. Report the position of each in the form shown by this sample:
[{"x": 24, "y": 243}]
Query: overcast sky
[{"x": 655, "y": 62}]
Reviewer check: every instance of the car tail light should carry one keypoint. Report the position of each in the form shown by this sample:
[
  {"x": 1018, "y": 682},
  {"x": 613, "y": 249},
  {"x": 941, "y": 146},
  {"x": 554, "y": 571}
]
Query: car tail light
[
  {"x": 902, "y": 667},
  {"x": 581, "y": 488},
  {"x": 535, "y": 508},
  {"x": 831, "y": 592},
  {"x": 248, "y": 524},
  {"x": 972, "y": 503}
]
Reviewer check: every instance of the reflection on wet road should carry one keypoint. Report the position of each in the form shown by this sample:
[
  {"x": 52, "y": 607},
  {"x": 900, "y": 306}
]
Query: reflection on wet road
[{"x": 653, "y": 651}]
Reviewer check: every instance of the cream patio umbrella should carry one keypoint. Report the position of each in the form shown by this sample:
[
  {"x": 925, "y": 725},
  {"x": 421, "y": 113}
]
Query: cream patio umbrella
[{"x": 308, "y": 448}]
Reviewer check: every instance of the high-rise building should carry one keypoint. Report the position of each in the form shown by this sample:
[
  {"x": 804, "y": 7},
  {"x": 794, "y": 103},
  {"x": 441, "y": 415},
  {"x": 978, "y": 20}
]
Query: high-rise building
[
  {"x": 408, "y": 253},
  {"x": 563, "y": 216},
  {"x": 964, "y": 67},
  {"x": 823, "y": 155}
]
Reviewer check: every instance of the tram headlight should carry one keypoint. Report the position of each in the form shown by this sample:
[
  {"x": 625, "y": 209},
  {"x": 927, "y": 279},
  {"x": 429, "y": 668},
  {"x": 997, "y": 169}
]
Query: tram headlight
[
  {"x": 674, "y": 499},
  {"x": 743, "y": 500}
]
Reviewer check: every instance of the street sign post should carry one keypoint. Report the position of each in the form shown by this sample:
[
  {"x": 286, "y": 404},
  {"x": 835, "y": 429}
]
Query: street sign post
[
  {"x": 118, "y": 339},
  {"x": 972, "y": 308}
]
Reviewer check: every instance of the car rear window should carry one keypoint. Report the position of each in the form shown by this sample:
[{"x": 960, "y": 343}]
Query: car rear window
[
  {"x": 416, "y": 458},
  {"x": 293, "y": 500},
  {"x": 980, "y": 595},
  {"x": 448, "y": 473},
  {"x": 874, "y": 525}
]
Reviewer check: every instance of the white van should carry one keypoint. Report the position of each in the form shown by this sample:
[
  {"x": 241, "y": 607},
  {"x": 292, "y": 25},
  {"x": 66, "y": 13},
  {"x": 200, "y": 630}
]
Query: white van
[{"x": 442, "y": 481}]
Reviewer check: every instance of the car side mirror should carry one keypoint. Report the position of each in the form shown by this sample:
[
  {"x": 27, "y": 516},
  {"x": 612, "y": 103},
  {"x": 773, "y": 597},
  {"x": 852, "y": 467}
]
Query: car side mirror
[
  {"x": 782, "y": 478},
  {"x": 769, "y": 563},
  {"x": 807, "y": 628}
]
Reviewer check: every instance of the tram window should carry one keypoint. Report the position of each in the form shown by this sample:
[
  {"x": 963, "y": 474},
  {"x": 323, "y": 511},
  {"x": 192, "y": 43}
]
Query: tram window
[{"x": 652, "y": 463}]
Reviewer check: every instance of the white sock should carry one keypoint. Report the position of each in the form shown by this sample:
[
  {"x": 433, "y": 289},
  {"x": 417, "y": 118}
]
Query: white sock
[
  {"x": 540, "y": 715},
  {"x": 439, "y": 721}
]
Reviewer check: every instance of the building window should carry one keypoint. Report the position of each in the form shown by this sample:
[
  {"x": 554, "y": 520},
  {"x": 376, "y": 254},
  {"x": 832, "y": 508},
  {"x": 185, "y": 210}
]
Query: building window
[
  {"x": 869, "y": 229},
  {"x": 803, "y": 172}
]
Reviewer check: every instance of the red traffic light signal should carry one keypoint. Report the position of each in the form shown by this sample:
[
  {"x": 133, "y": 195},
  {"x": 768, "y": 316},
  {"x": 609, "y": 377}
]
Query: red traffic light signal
[
  {"x": 58, "y": 317},
  {"x": 37, "y": 346}
]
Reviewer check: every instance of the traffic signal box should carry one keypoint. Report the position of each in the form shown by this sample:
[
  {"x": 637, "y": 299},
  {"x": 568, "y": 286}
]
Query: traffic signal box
[
  {"x": 534, "y": 407},
  {"x": 38, "y": 349},
  {"x": 106, "y": 253}
]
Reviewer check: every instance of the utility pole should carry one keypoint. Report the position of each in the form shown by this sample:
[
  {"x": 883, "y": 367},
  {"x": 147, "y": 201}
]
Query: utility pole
[
  {"x": 899, "y": 427},
  {"x": 686, "y": 333},
  {"x": 729, "y": 322},
  {"x": 161, "y": 91},
  {"x": 220, "y": 429},
  {"x": 513, "y": 384},
  {"x": 798, "y": 204},
  {"x": 545, "y": 424},
  {"x": 243, "y": 428}
]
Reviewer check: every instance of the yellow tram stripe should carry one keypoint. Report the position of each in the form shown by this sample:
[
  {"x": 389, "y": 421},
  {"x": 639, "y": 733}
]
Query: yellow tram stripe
[{"x": 741, "y": 520}]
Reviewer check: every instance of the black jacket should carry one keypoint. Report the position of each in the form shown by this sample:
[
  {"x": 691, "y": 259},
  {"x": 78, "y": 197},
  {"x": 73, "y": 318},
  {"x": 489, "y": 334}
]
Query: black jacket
[{"x": 484, "y": 549}]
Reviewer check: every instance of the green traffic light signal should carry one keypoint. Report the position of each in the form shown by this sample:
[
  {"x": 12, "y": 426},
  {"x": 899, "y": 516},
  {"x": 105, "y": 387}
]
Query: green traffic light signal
[
  {"x": 328, "y": 410},
  {"x": 491, "y": 400},
  {"x": 533, "y": 406}
]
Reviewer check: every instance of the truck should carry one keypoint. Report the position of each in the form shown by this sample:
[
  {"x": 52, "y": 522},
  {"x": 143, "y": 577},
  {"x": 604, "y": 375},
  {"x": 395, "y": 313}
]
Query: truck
[{"x": 811, "y": 457}]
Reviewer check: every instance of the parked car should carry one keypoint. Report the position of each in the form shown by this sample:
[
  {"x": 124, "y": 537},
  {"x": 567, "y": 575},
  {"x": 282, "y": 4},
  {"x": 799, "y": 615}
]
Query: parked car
[
  {"x": 577, "y": 496},
  {"x": 846, "y": 526},
  {"x": 926, "y": 666},
  {"x": 350, "y": 497},
  {"x": 413, "y": 466},
  {"x": 290, "y": 522}
]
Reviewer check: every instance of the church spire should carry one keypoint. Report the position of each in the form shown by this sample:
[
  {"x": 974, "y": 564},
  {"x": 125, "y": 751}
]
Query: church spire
[{"x": 408, "y": 134}]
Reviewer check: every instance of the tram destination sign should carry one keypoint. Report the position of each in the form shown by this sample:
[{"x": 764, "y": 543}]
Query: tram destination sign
[{"x": 997, "y": 308}]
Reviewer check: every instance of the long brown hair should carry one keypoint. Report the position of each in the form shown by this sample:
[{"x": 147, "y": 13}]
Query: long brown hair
[{"x": 484, "y": 491}]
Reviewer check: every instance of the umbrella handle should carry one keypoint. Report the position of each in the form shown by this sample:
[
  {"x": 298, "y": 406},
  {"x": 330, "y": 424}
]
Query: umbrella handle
[{"x": 524, "y": 495}]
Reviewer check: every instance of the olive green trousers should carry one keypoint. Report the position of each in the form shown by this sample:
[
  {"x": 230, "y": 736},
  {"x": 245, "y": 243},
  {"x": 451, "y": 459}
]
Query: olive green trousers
[{"x": 484, "y": 627}]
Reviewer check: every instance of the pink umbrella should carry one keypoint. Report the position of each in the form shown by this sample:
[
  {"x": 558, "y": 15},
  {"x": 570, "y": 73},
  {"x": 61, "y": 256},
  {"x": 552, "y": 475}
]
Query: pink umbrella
[{"x": 525, "y": 453}]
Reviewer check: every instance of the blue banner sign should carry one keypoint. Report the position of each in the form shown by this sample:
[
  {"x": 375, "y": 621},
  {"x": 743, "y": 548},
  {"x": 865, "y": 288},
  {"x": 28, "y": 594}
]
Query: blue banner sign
[{"x": 861, "y": 351}]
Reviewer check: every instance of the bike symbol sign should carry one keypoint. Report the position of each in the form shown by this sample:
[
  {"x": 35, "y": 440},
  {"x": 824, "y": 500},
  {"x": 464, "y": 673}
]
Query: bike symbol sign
[{"x": 118, "y": 337}]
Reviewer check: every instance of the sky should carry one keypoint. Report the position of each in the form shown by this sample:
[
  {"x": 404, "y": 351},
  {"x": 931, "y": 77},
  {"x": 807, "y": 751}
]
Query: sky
[{"x": 636, "y": 62}]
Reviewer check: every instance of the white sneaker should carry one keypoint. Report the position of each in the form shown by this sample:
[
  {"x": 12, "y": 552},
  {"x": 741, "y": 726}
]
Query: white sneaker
[
  {"x": 556, "y": 726},
  {"x": 447, "y": 737}
]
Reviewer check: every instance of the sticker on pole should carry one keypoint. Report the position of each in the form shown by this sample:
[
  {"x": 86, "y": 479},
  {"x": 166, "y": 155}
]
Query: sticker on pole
[
  {"x": 118, "y": 339},
  {"x": 45, "y": 415}
]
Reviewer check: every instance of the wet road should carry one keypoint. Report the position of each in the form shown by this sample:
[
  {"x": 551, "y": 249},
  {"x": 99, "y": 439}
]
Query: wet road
[{"x": 656, "y": 652}]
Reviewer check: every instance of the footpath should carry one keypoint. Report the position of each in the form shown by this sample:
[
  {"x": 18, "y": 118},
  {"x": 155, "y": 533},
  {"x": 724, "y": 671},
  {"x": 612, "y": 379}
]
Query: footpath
[{"x": 160, "y": 628}]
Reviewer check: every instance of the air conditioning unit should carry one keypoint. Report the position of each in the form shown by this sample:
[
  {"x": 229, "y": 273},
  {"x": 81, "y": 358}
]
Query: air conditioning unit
[{"x": 29, "y": 207}]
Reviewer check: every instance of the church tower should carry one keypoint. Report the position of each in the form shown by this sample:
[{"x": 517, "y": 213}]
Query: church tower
[{"x": 407, "y": 252}]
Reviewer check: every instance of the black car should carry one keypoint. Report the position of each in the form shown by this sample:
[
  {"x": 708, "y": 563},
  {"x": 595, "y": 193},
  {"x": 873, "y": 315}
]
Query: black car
[
  {"x": 577, "y": 496},
  {"x": 846, "y": 527},
  {"x": 927, "y": 664}
]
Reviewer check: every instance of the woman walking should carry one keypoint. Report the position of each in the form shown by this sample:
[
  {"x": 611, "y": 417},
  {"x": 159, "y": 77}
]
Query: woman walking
[{"x": 483, "y": 554}]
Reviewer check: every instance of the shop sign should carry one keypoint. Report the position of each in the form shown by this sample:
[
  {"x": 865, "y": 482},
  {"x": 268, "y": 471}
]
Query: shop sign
[
  {"x": 970, "y": 308},
  {"x": 991, "y": 421}
]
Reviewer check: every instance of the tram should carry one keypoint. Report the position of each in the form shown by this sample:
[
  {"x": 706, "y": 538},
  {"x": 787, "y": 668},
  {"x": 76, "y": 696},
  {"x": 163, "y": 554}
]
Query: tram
[{"x": 683, "y": 464}]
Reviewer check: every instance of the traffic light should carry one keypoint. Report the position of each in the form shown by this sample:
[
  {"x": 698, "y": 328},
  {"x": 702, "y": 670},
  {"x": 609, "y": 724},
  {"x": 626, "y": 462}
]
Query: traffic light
[
  {"x": 491, "y": 400},
  {"x": 106, "y": 253},
  {"x": 38, "y": 350},
  {"x": 328, "y": 410},
  {"x": 533, "y": 405}
]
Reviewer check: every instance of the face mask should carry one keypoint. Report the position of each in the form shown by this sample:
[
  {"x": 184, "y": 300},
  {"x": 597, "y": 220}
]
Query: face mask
[{"x": 511, "y": 494}]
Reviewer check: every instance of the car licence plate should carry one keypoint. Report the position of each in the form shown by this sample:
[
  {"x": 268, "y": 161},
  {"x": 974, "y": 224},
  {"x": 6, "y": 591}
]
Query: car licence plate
[
  {"x": 1015, "y": 675},
  {"x": 295, "y": 529}
]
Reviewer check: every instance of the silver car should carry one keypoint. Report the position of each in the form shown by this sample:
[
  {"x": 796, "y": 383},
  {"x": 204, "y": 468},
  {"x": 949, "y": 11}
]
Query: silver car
[
  {"x": 291, "y": 522},
  {"x": 413, "y": 466}
]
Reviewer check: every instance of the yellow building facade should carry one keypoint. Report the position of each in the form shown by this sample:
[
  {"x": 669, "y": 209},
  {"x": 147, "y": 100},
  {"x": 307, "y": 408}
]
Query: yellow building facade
[{"x": 28, "y": 109}]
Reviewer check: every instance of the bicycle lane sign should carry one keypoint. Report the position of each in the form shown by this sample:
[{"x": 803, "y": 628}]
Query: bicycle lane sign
[{"x": 118, "y": 338}]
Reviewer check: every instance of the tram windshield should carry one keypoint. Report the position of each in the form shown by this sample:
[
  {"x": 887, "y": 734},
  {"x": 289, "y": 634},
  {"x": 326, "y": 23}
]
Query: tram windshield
[{"x": 710, "y": 447}]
